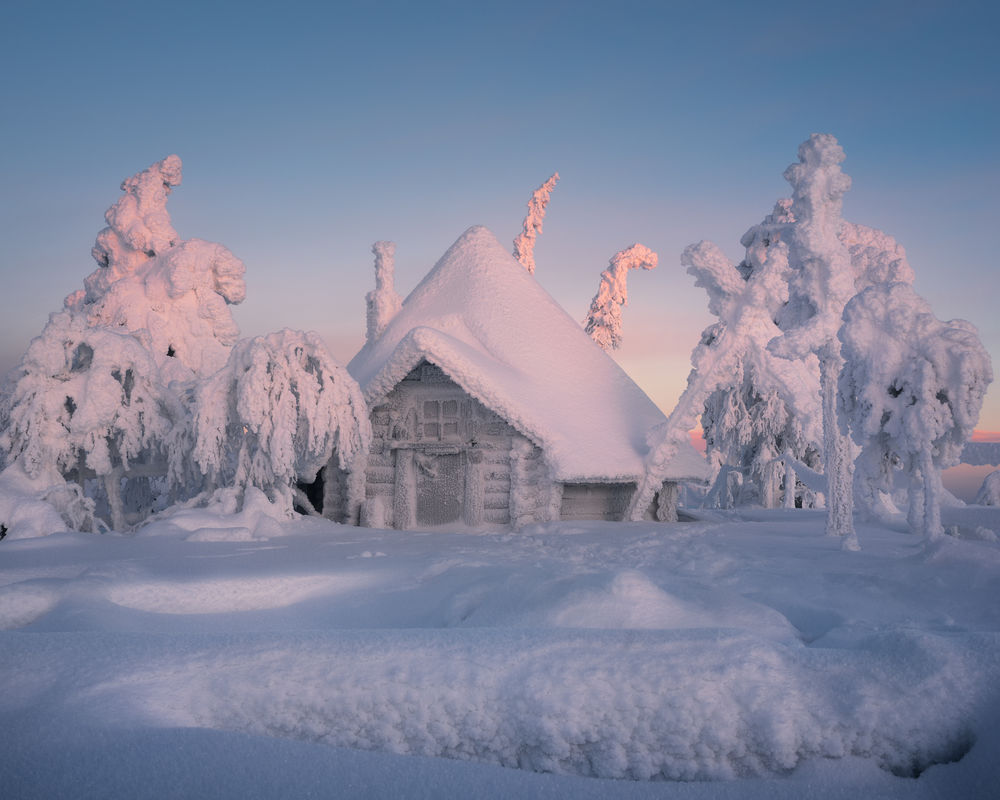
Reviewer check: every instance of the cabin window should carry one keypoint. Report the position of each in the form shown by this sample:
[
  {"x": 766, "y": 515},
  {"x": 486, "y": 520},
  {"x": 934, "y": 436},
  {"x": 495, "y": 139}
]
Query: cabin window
[{"x": 440, "y": 419}]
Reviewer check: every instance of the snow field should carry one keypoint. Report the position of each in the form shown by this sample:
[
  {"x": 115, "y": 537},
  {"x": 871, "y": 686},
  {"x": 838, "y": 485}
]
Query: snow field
[{"x": 709, "y": 651}]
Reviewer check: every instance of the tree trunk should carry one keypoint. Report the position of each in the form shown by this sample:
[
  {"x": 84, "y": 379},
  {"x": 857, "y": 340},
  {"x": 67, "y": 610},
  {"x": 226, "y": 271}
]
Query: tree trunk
[
  {"x": 932, "y": 496},
  {"x": 836, "y": 456},
  {"x": 789, "y": 486},
  {"x": 113, "y": 490}
]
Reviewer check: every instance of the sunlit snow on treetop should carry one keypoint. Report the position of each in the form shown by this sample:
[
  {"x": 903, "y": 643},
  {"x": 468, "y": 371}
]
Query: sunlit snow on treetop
[{"x": 149, "y": 279}]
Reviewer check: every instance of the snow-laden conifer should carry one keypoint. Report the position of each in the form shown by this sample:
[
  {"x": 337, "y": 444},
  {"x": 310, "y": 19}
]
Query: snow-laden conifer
[
  {"x": 275, "y": 414},
  {"x": 604, "y": 320},
  {"x": 731, "y": 352},
  {"x": 820, "y": 285},
  {"x": 769, "y": 407},
  {"x": 911, "y": 390},
  {"x": 92, "y": 394},
  {"x": 524, "y": 243},
  {"x": 87, "y": 399},
  {"x": 148, "y": 278},
  {"x": 383, "y": 302}
]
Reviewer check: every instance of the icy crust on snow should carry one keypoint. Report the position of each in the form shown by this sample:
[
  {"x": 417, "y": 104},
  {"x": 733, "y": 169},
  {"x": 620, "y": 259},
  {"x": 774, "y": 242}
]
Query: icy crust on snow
[{"x": 491, "y": 327}]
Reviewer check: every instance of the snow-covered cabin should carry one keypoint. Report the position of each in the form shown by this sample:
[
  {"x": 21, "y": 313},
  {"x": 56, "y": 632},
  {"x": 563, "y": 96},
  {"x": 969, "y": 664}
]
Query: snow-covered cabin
[{"x": 489, "y": 404}]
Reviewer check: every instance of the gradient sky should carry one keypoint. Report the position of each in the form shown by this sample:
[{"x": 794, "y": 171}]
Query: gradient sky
[{"x": 310, "y": 130}]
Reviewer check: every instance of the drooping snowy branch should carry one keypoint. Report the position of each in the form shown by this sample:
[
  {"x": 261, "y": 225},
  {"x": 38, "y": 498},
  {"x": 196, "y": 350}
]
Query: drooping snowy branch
[
  {"x": 148, "y": 279},
  {"x": 524, "y": 243},
  {"x": 383, "y": 302},
  {"x": 604, "y": 320},
  {"x": 911, "y": 389},
  {"x": 276, "y": 413}
]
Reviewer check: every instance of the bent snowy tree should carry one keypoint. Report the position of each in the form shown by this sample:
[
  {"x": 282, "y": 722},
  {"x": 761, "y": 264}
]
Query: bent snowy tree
[
  {"x": 721, "y": 353},
  {"x": 604, "y": 320},
  {"x": 524, "y": 243},
  {"x": 278, "y": 411},
  {"x": 769, "y": 407},
  {"x": 911, "y": 391}
]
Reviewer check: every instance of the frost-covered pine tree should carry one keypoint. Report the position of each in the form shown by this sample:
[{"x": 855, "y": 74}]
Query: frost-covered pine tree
[
  {"x": 524, "y": 243},
  {"x": 98, "y": 392},
  {"x": 821, "y": 284},
  {"x": 769, "y": 406},
  {"x": 274, "y": 415},
  {"x": 911, "y": 390},
  {"x": 722, "y": 353},
  {"x": 384, "y": 301},
  {"x": 149, "y": 279},
  {"x": 604, "y": 320},
  {"x": 87, "y": 400}
]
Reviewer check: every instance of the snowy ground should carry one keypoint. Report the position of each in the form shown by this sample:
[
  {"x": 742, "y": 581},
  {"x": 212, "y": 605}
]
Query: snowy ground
[{"x": 239, "y": 657}]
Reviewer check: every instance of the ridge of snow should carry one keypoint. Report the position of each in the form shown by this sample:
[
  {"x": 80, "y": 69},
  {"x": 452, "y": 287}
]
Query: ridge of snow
[{"x": 493, "y": 329}]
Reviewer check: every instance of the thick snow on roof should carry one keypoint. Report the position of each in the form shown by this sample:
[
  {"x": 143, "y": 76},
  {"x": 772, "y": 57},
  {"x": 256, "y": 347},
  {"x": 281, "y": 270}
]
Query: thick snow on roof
[{"x": 495, "y": 331}]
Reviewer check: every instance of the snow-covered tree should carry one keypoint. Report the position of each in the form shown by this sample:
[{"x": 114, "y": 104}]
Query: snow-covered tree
[
  {"x": 98, "y": 392},
  {"x": 275, "y": 414},
  {"x": 724, "y": 351},
  {"x": 911, "y": 390},
  {"x": 604, "y": 320},
  {"x": 149, "y": 279},
  {"x": 769, "y": 406},
  {"x": 87, "y": 398},
  {"x": 821, "y": 284},
  {"x": 383, "y": 302},
  {"x": 823, "y": 261},
  {"x": 989, "y": 492},
  {"x": 524, "y": 243}
]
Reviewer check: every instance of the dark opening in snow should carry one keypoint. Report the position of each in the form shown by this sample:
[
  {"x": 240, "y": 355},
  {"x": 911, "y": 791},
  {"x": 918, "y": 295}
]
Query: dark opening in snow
[{"x": 949, "y": 753}]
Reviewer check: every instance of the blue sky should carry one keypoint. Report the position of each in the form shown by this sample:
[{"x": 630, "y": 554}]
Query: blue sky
[{"x": 310, "y": 130}]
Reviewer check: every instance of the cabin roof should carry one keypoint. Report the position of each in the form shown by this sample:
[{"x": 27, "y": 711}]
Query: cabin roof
[{"x": 492, "y": 328}]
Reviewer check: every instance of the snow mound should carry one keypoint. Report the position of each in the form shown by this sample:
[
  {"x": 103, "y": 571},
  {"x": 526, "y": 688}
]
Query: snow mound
[
  {"x": 216, "y": 519},
  {"x": 687, "y": 705},
  {"x": 21, "y": 604},
  {"x": 223, "y": 596},
  {"x": 989, "y": 492},
  {"x": 631, "y": 600},
  {"x": 27, "y": 509}
]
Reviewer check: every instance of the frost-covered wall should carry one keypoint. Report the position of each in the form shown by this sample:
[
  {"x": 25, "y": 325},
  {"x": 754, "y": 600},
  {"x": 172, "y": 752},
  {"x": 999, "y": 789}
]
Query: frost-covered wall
[{"x": 438, "y": 456}]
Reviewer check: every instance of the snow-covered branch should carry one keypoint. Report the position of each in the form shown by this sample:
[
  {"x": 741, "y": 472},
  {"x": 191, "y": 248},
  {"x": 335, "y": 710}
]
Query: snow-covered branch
[{"x": 276, "y": 414}]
